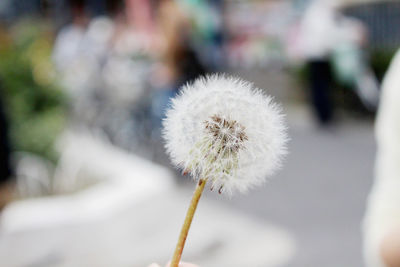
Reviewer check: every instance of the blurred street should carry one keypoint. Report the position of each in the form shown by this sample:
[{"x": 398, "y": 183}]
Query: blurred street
[
  {"x": 320, "y": 194},
  {"x": 319, "y": 197}
]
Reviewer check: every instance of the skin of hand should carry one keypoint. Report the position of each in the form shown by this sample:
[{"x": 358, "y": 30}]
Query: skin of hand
[
  {"x": 390, "y": 248},
  {"x": 182, "y": 264}
]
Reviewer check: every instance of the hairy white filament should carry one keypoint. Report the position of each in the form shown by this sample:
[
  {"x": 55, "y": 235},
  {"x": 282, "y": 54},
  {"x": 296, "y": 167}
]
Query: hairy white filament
[{"x": 223, "y": 129}]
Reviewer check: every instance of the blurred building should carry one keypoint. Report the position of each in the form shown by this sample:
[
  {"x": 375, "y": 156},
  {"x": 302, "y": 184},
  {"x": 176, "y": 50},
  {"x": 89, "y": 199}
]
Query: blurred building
[{"x": 382, "y": 19}]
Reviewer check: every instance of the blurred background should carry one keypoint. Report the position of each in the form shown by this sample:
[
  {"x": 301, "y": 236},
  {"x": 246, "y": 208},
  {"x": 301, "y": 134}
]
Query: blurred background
[{"x": 84, "y": 84}]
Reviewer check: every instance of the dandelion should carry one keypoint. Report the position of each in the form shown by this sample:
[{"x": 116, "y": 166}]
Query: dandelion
[{"x": 223, "y": 131}]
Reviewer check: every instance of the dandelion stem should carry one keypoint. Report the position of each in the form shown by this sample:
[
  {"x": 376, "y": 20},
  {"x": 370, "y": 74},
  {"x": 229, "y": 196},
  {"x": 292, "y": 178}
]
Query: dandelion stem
[{"x": 186, "y": 225}]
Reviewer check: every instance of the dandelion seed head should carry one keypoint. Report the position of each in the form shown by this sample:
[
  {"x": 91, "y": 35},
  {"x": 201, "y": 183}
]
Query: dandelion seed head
[{"x": 223, "y": 129}]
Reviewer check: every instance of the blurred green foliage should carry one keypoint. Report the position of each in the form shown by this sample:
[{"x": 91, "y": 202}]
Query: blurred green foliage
[
  {"x": 380, "y": 61},
  {"x": 34, "y": 104}
]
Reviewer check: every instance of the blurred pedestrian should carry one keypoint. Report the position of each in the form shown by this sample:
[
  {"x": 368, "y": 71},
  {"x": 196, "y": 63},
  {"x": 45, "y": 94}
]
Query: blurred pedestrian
[
  {"x": 332, "y": 45},
  {"x": 179, "y": 62},
  {"x": 179, "y": 55},
  {"x": 69, "y": 39},
  {"x": 317, "y": 30}
]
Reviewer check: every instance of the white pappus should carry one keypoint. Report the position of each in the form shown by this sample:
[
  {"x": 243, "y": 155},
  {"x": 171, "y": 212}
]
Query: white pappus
[{"x": 225, "y": 130}]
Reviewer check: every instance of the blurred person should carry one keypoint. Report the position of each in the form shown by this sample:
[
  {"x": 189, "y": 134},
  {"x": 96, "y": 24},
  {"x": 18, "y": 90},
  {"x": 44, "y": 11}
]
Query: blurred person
[
  {"x": 178, "y": 55},
  {"x": 179, "y": 61},
  {"x": 317, "y": 28},
  {"x": 70, "y": 37},
  {"x": 139, "y": 13},
  {"x": 381, "y": 226},
  {"x": 332, "y": 44},
  {"x": 206, "y": 19},
  {"x": 76, "y": 56},
  {"x": 107, "y": 74},
  {"x": 127, "y": 70},
  {"x": 79, "y": 53}
]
